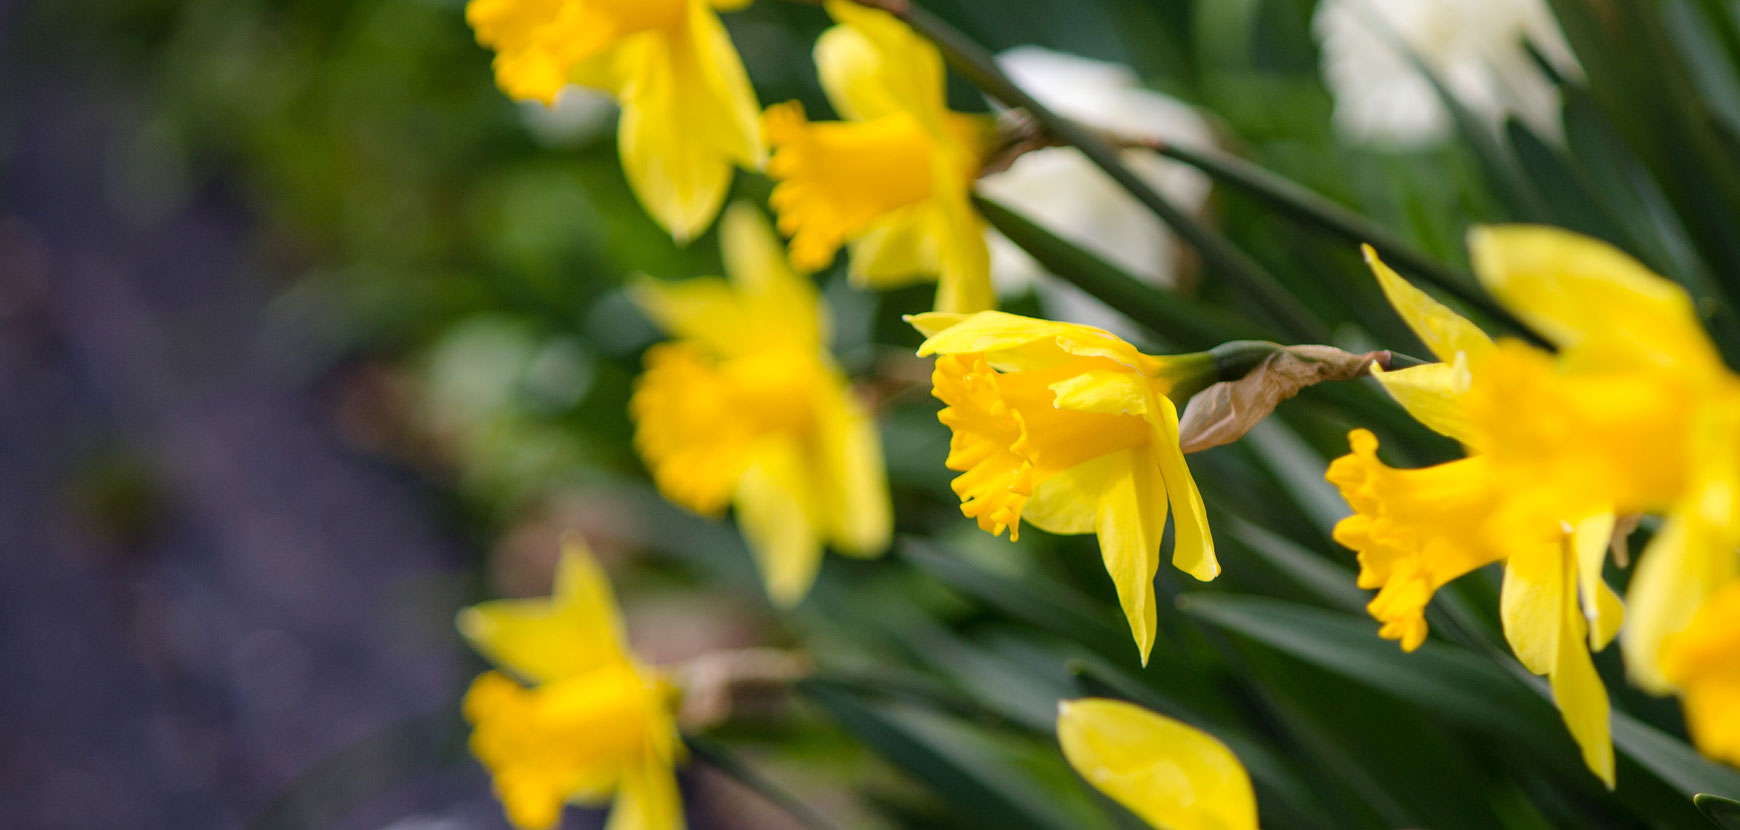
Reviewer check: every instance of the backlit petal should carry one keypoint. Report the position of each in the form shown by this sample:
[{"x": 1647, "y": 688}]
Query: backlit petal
[
  {"x": 575, "y": 630},
  {"x": 1443, "y": 331},
  {"x": 777, "y": 511},
  {"x": 1129, "y": 519},
  {"x": 1601, "y": 306},
  {"x": 1173, "y": 776},
  {"x": 1433, "y": 394}
]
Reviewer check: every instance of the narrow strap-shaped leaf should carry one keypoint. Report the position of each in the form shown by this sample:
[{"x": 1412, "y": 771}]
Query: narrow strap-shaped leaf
[
  {"x": 727, "y": 762},
  {"x": 1182, "y": 321},
  {"x": 1306, "y": 205},
  {"x": 1722, "y": 812},
  {"x": 928, "y": 748},
  {"x": 1222, "y": 257}
]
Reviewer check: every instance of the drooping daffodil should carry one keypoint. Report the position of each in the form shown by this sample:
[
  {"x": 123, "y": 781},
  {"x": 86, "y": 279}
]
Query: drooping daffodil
[
  {"x": 746, "y": 408},
  {"x": 894, "y": 180},
  {"x": 1170, "y": 774},
  {"x": 1072, "y": 430},
  {"x": 1620, "y": 420},
  {"x": 688, "y": 112},
  {"x": 569, "y": 715}
]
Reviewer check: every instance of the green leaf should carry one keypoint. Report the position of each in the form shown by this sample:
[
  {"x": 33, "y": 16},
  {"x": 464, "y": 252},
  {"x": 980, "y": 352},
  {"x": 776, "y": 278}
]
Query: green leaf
[
  {"x": 1041, "y": 603},
  {"x": 945, "y": 757},
  {"x": 1722, "y": 812},
  {"x": 1675, "y": 763},
  {"x": 1456, "y": 684},
  {"x": 1181, "y": 321}
]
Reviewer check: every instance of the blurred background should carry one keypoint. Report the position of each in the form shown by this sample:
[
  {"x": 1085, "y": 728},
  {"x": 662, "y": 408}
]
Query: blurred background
[{"x": 309, "y": 336}]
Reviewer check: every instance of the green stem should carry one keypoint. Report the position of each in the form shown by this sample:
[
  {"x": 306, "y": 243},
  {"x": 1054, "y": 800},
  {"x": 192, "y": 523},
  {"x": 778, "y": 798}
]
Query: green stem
[
  {"x": 1306, "y": 205},
  {"x": 973, "y": 61},
  {"x": 1180, "y": 320}
]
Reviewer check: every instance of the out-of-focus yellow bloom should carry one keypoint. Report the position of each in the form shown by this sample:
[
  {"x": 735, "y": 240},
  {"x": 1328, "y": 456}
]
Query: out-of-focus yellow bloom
[
  {"x": 1703, "y": 661},
  {"x": 1071, "y": 429},
  {"x": 895, "y": 179},
  {"x": 688, "y": 112},
  {"x": 1173, "y": 776},
  {"x": 1415, "y": 530},
  {"x": 747, "y": 408},
  {"x": 579, "y": 720}
]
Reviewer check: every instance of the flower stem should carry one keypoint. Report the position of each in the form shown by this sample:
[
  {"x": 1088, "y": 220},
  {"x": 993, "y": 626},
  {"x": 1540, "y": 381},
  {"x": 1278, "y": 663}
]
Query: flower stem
[{"x": 1308, "y": 206}]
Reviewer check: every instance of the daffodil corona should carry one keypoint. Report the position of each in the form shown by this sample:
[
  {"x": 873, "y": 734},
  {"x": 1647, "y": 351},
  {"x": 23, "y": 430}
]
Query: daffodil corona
[
  {"x": 688, "y": 112},
  {"x": 894, "y": 180},
  {"x": 1172, "y": 775},
  {"x": 746, "y": 408},
  {"x": 571, "y": 716},
  {"x": 1071, "y": 429}
]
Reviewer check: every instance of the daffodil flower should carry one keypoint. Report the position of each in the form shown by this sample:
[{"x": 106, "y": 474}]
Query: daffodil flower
[
  {"x": 746, "y": 408},
  {"x": 571, "y": 716},
  {"x": 1071, "y": 429},
  {"x": 1171, "y": 775},
  {"x": 1703, "y": 661},
  {"x": 1416, "y": 530},
  {"x": 688, "y": 112},
  {"x": 894, "y": 180}
]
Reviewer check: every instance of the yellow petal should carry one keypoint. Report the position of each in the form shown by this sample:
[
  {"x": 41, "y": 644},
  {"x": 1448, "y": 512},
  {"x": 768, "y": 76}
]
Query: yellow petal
[
  {"x": 575, "y": 630},
  {"x": 874, "y": 65},
  {"x": 1591, "y": 539},
  {"x": 687, "y": 116},
  {"x": 705, "y": 310},
  {"x": 1434, "y": 395},
  {"x": 859, "y": 517},
  {"x": 1192, "y": 543},
  {"x": 1704, "y": 663},
  {"x": 1443, "y": 331},
  {"x": 1173, "y": 776},
  {"x": 647, "y": 798},
  {"x": 1130, "y": 518},
  {"x": 1599, "y": 305},
  {"x": 785, "y": 304},
  {"x": 897, "y": 249},
  {"x": 1103, "y": 391},
  {"x": 1011, "y": 341},
  {"x": 1532, "y": 605},
  {"x": 777, "y": 513},
  {"x": 1582, "y": 701},
  {"x": 964, "y": 284},
  {"x": 1544, "y": 623},
  {"x": 1680, "y": 569}
]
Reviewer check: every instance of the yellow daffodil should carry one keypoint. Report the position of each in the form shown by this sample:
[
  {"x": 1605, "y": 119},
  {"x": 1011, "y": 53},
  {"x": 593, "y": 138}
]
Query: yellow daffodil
[
  {"x": 688, "y": 112},
  {"x": 1703, "y": 661},
  {"x": 1071, "y": 429},
  {"x": 894, "y": 180},
  {"x": 1173, "y": 776},
  {"x": 571, "y": 716},
  {"x": 1416, "y": 530},
  {"x": 1641, "y": 414},
  {"x": 746, "y": 408}
]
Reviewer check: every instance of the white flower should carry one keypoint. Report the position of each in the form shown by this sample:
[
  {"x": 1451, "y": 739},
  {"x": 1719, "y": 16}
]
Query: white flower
[
  {"x": 1476, "y": 47},
  {"x": 1061, "y": 190}
]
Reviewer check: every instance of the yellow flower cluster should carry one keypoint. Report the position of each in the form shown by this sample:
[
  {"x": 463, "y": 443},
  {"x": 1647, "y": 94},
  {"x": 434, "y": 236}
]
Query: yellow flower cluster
[
  {"x": 1633, "y": 413},
  {"x": 1069, "y": 428}
]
